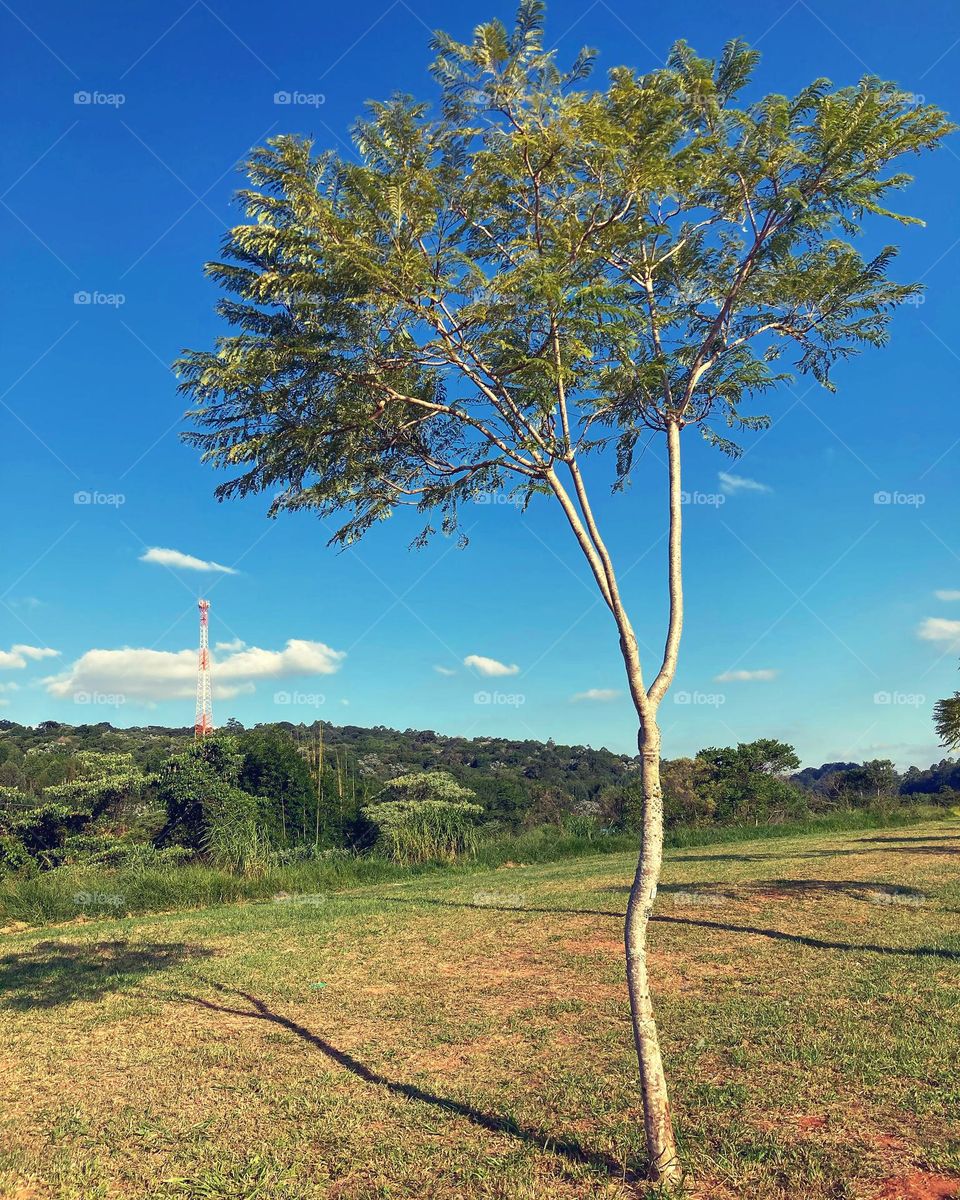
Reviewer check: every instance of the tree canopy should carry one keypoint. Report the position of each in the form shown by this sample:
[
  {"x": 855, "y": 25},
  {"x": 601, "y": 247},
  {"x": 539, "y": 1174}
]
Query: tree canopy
[{"x": 535, "y": 270}]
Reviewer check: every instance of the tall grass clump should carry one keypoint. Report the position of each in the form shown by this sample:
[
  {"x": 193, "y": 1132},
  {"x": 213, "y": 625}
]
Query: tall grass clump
[{"x": 420, "y": 831}]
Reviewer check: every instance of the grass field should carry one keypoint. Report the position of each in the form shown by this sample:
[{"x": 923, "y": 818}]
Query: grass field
[{"x": 468, "y": 1035}]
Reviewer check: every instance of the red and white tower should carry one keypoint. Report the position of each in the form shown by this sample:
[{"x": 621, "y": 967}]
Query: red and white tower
[{"x": 203, "y": 723}]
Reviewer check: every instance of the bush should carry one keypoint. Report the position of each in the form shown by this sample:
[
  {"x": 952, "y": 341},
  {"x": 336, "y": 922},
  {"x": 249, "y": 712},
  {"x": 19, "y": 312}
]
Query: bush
[{"x": 417, "y": 831}]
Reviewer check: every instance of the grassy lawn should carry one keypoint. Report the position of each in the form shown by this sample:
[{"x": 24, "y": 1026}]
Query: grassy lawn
[{"x": 468, "y": 1035}]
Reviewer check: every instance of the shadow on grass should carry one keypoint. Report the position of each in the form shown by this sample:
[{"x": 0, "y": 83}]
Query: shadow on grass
[
  {"x": 726, "y": 927},
  {"x": 786, "y": 889},
  {"x": 891, "y": 840},
  {"x": 567, "y": 1148},
  {"x": 800, "y": 939},
  {"x": 902, "y": 847},
  {"x": 57, "y": 972}
]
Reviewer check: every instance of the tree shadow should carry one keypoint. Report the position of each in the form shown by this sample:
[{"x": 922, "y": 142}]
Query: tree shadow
[
  {"x": 568, "y": 1148},
  {"x": 514, "y": 908},
  {"x": 786, "y": 889},
  {"x": 812, "y": 942},
  {"x": 763, "y": 856},
  {"x": 57, "y": 972},
  {"x": 776, "y": 934},
  {"x": 927, "y": 837}
]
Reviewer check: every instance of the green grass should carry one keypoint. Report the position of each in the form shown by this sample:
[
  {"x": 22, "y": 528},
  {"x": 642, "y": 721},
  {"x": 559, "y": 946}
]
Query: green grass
[
  {"x": 467, "y": 1034},
  {"x": 84, "y": 891}
]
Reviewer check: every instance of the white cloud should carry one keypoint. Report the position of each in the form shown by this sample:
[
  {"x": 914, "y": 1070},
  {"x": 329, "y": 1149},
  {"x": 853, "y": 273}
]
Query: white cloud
[
  {"x": 444, "y": 671},
  {"x": 16, "y": 657},
  {"x": 236, "y": 644},
  {"x": 149, "y": 676},
  {"x": 186, "y": 562},
  {"x": 489, "y": 666},
  {"x": 740, "y": 483},
  {"x": 946, "y": 594},
  {"x": 764, "y": 675},
  {"x": 9, "y": 687},
  {"x": 595, "y": 694},
  {"x": 939, "y": 629}
]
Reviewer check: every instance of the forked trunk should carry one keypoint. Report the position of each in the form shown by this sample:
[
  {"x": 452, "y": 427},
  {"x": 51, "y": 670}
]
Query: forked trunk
[{"x": 663, "y": 1165}]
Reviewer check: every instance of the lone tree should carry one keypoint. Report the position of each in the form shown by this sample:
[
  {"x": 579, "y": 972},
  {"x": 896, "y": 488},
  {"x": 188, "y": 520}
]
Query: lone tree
[
  {"x": 533, "y": 273},
  {"x": 946, "y": 719}
]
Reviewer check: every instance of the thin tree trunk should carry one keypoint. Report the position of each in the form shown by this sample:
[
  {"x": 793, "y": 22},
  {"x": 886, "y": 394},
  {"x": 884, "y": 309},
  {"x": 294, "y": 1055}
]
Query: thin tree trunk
[{"x": 663, "y": 1163}]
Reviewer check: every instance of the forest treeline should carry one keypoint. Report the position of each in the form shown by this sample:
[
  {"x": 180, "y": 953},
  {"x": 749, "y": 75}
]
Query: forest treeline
[{"x": 94, "y": 793}]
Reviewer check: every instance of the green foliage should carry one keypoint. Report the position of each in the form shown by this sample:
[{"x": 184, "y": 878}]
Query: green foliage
[
  {"x": 946, "y": 716},
  {"x": 426, "y": 785},
  {"x": 208, "y": 812},
  {"x": 274, "y": 769},
  {"x": 234, "y": 836},
  {"x": 747, "y": 782},
  {"x": 423, "y": 818},
  {"x": 479, "y": 296}
]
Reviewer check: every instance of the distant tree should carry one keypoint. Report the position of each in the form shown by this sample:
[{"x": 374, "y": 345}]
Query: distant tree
[
  {"x": 274, "y": 769},
  {"x": 485, "y": 296},
  {"x": 946, "y": 718},
  {"x": 871, "y": 780},
  {"x": 748, "y": 782},
  {"x": 686, "y": 794}
]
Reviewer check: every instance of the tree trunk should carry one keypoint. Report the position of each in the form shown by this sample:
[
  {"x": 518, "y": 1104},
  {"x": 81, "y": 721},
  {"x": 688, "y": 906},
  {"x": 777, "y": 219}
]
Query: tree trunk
[{"x": 663, "y": 1165}]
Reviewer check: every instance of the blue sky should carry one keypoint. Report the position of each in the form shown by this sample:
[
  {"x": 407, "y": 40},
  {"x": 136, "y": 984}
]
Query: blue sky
[{"x": 825, "y": 598}]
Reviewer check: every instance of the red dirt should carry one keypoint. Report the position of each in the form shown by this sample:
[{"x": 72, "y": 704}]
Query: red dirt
[
  {"x": 920, "y": 1186},
  {"x": 811, "y": 1124}
]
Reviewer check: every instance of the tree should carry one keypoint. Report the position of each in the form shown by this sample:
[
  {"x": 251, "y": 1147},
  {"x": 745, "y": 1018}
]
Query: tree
[
  {"x": 275, "y": 769},
  {"x": 746, "y": 782},
  {"x": 535, "y": 273},
  {"x": 946, "y": 718},
  {"x": 423, "y": 817}
]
